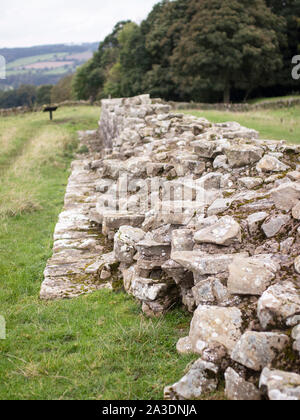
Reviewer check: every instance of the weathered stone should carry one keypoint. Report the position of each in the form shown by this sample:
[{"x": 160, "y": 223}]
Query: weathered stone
[
  {"x": 280, "y": 386},
  {"x": 219, "y": 206},
  {"x": 210, "y": 181},
  {"x": 277, "y": 304},
  {"x": 296, "y": 337},
  {"x": 297, "y": 264},
  {"x": 184, "y": 346},
  {"x": 113, "y": 221},
  {"x": 182, "y": 240},
  {"x": 296, "y": 332},
  {"x": 125, "y": 243},
  {"x": 242, "y": 155},
  {"x": 204, "y": 264},
  {"x": 255, "y": 220},
  {"x": 225, "y": 232},
  {"x": 237, "y": 389},
  {"x": 286, "y": 245},
  {"x": 203, "y": 222},
  {"x": 205, "y": 149},
  {"x": 203, "y": 292},
  {"x": 271, "y": 164},
  {"x": 296, "y": 211},
  {"x": 212, "y": 324},
  {"x": 294, "y": 175},
  {"x": 220, "y": 162},
  {"x": 149, "y": 249},
  {"x": 286, "y": 196},
  {"x": 251, "y": 276},
  {"x": 250, "y": 183},
  {"x": 147, "y": 289},
  {"x": 293, "y": 321},
  {"x": 200, "y": 379},
  {"x": 273, "y": 226},
  {"x": 257, "y": 350}
]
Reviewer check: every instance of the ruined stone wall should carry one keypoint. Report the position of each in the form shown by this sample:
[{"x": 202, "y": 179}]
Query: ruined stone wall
[{"x": 205, "y": 216}]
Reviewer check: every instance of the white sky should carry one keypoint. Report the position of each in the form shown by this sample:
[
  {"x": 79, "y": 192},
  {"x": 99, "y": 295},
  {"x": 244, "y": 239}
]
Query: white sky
[{"x": 25, "y": 23}]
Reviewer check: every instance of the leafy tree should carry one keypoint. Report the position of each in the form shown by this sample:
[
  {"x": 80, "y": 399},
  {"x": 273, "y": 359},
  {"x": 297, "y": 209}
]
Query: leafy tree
[
  {"x": 112, "y": 87},
  {"x": 90, "y": 78},
  {"x": 63, "y": 90},
  {"x": 227, "y": 44},
  {"x": 43, "y": 95},
  {"x": 290, "y": 10},
  {"x": 163, "y": 30},
  {"x": 134, "y": 59},
  {"x": 26, "y": 95}
]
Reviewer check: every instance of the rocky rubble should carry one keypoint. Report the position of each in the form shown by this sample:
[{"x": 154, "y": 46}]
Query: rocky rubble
[{"x": 182, "y": 211}]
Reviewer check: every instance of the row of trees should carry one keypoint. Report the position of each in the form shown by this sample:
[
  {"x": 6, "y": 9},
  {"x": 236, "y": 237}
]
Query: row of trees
[
  {"x": 29, "y": 95},
  {"x": 201, "y": 50}
]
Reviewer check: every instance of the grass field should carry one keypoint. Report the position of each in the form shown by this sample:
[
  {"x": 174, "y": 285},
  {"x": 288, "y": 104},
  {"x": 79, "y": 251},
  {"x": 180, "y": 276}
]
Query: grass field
[
  {"x": 95, "y": 347},
  {"x": 22, "y": 62},
  {"x": 281, "y": 124}
]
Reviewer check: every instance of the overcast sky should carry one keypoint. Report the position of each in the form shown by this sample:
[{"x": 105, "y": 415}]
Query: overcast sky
[{"x": 24, "y": 23}]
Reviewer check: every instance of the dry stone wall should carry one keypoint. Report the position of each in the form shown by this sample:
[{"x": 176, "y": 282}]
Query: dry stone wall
[{"x": 197, "y": 214}]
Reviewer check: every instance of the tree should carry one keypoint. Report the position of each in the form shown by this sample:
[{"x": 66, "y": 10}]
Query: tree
[
  {"x": 228, "y": 44},
  {"x": 63, "y": 90},
  {"x": 290, "y": 10},
  {"x": 162, "y": 30},
  {"x": 43, "y": 95},
  {"x": 112, "y": 87},
  {"x": 134, "y": 59},
  {"x": 90, "y": 78},
  {"x": 26, "y": 95}
]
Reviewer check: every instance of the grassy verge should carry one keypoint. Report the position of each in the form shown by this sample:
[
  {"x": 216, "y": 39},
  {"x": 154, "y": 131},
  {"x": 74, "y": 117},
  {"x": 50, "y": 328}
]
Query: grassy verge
[
  {"x": 96, "y": 347},
  {"x": 281, "y": 124}
]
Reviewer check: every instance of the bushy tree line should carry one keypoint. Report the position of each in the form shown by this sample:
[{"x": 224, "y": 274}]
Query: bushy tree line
[
  {"x": 25, "y": 95},
  {"x": 201, "y": 50},
  {"x": 29, "y": 95}
]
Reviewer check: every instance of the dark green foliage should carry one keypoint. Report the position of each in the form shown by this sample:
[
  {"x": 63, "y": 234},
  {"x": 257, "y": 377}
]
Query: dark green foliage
[
  {"x": 25, "y": 95},
  {"x": 90, "y": 78},
  {"x": 199, "y": 50},
  {"x": 43, "y": 95},
  {"x": 229, "y": 44},
  {"x": 63, "y": 90},
  {"x": 290, "y": 11}
]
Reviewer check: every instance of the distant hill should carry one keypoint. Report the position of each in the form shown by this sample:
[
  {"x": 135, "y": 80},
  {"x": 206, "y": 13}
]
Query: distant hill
[{"x": 45, "y": 64}]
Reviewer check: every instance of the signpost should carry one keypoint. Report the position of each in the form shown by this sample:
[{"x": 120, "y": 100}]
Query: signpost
[{"x": 50, "y": 109}]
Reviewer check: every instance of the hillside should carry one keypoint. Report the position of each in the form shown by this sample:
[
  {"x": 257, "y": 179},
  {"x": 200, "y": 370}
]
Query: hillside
[{"x": 43, "y": 64}]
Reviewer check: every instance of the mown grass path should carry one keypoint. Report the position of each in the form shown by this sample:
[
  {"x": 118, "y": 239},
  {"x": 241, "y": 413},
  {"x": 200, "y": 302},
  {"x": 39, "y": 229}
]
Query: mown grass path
[{"x": 95, "y": 347}]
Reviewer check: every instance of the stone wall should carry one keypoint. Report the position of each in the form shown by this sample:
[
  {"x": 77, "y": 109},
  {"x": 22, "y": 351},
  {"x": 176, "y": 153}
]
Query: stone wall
[{"x": 205, "y": 216}]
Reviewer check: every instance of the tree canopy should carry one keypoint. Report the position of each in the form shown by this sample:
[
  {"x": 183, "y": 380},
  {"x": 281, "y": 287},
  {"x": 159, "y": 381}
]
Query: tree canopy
[{"x": 199, "y": 50}]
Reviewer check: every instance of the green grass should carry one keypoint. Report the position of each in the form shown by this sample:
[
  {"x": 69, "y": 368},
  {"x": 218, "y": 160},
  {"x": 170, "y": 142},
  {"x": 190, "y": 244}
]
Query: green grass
[
  {"x": 281, "y": 124},
  {"x": 98, "y": 346}
]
